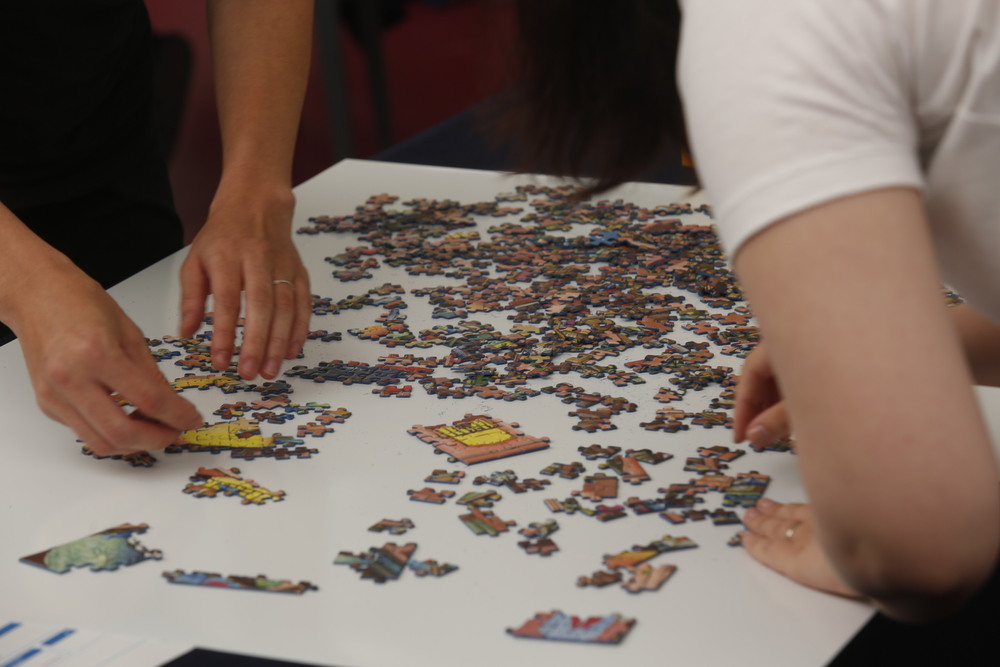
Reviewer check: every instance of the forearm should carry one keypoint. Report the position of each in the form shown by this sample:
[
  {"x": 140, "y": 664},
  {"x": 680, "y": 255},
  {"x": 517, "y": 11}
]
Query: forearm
[
  {"x": 981, "y": 341},
  {"x": 27, "y": 262},
  {"x": 261, "y": 51},
  {"x": 893, "y": 451}
]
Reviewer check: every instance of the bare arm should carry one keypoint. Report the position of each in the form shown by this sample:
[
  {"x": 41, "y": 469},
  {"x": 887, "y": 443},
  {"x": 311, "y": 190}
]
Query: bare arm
[
  {"x": 261, "y": 51},
  {"x": 892, "y": 448}
]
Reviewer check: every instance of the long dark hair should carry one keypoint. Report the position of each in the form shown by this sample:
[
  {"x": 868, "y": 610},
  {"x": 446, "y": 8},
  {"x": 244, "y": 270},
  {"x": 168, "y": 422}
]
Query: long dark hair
[{"x": 596, "y": 89}]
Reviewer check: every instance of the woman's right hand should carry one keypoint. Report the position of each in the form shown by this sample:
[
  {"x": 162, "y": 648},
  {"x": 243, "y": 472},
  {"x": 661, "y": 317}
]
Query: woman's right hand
[
  {"x": 80, "y": 349},
  {"x": 760, "y": 414}
]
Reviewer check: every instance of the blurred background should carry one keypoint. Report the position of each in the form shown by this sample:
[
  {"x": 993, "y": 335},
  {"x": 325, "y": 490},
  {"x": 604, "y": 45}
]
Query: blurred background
[{"x": 383, "y": 72}]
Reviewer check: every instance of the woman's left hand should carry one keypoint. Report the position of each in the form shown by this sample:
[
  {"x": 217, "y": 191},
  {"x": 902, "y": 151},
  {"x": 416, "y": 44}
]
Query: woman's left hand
[
  {"x": 783, "y": 537},
  {"x": 245, "y": 252}
]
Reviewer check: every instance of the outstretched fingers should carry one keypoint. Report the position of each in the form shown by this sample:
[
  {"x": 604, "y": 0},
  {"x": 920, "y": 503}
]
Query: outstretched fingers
[{"x": 783, "y": 537}]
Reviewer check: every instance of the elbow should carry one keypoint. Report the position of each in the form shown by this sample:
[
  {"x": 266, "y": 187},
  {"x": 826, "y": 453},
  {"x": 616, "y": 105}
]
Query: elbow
[{"x": 928, "y": 587}]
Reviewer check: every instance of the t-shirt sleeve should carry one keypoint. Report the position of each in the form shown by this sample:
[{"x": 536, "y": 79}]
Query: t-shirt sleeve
[{"x": 792, "y": 104}]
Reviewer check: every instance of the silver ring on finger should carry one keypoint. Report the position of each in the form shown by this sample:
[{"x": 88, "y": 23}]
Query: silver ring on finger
[{"x": 283, "y": 282}]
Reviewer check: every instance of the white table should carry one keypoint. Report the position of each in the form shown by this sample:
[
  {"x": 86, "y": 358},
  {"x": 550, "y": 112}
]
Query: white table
[{"x": 720, "y": 607}]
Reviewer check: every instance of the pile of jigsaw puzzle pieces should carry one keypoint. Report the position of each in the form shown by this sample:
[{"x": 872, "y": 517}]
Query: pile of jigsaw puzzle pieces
[{"x": 632, "y": 281}]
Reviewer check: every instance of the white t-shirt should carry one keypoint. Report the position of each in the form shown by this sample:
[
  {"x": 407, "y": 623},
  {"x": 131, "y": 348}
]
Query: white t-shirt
[{"x": 791, "y": 103}]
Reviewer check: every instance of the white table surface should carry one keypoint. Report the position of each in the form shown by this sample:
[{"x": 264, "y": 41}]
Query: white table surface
[{"x": 719, "y": 607}]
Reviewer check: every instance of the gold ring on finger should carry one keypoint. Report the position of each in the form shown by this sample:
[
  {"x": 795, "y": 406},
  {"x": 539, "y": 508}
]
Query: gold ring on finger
[{"x": 790, "y": 531}]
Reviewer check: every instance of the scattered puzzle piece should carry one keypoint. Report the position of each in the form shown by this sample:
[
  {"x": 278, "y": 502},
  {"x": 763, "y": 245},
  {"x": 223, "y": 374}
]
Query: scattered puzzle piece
[
  {"x": 530, "y": 484},
  {"x": 599, "y": 579},
  {"x": 721, "y": 453},
  {"x": 389, "y": 391},
  {"x": 429, "y": 495},
  {"x": 629, "y": 559},
  {"x": 641, "y": 507},
  {"x": 721, "y": 517},
  {"x": 542, "y": 545},
  {"x": 596, "y": 451},
  {"x": 538, "y": 529},
  {"x": 681, "y": 495},
  {"x": 380, "y": 564},
  {"x": 485, "y": 523},
  {"x": 258, "y": 583},
  {"x": 647, "y": 577},
  {"x": 393, "y": 526},
  {"x": 135, "y": 459},
  {"x": 640, "y": 554},
  {"x": 479, "y": 498},
  {"x": 569, "y": 506},
  {"x": 609, "y": 512},
  {"x": 747, "y": 488},
  {"x": 555, "y": 625},
  {"x": 713, "y": 481},
  {"x": 598, "y": 487},
  {"x": 445, "y": 476},
  {"x": 649, "y": 456},
  {"x": 431, "y": 567},
  {"x": 786, "y": 445},
  {"x": 564, "y": 470},
  {"x": 628, "y": 468},
  {"x": 703, "y": 465},
  {"x": 496, "y": 478}
]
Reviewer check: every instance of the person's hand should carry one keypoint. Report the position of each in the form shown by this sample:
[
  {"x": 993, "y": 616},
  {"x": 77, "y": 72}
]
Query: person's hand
[
  {"x": 80, "y": 348},
  {"x": 783, "y": 537},
  {"x": 760, "y": 413},
  {"x": 246, "y": 250}
]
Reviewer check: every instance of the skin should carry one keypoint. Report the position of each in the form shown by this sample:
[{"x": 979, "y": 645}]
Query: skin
[
  {"x": 894, "y": 419},
  {"x": 80, "y": 347}
]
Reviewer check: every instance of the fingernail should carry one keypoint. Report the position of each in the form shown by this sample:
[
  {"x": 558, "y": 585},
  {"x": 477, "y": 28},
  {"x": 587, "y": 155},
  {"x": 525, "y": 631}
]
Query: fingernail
[
  {"x": 248, "y": 368},
  {"x": 750, "y": 514},
  {"x": 271, "y": 368},
  {"x": 759, "y": 435},
  {"x": 765, "y": 503}
]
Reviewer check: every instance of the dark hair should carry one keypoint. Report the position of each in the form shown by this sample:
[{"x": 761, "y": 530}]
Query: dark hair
[{"x": 596, "y": 91}]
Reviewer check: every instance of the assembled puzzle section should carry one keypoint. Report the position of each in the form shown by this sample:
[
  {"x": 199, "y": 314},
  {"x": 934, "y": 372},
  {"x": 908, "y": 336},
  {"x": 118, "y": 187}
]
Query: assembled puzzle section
[
  {"x": 104, "y": 551},
  {"x": 208, "y": 482},
  {"x": 479, "y": 438}
]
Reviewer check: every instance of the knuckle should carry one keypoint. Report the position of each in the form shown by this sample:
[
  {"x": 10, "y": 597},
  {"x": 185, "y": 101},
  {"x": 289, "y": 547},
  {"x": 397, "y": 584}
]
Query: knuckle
[
  {"x": 226, "y": 301},
  {"x": 44, "y": 401},
  {"x": 260, "y": 300},
  {"x": 251, "y": 343},
  {"x": 145, "y": 398},
  {"x": 215, "y": 252},
  {"x": 58, "y": 373}
]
